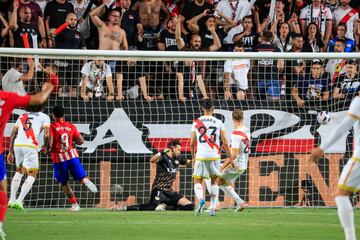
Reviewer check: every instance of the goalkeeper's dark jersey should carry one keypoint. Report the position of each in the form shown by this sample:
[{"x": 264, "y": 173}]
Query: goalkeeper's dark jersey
[{"x": 166, "y": 169}]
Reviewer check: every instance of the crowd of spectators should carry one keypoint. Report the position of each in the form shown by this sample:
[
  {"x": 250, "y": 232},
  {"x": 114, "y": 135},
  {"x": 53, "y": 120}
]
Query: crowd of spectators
[{"x": 185, "y": 25}]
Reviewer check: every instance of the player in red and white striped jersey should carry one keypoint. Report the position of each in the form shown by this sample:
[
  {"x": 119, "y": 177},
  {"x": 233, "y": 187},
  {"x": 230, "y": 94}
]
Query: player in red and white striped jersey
[{"x": 65, "y": 157}]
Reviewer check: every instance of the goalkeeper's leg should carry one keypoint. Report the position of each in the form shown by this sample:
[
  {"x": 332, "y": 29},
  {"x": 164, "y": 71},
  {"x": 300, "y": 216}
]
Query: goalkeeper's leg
[{"x": 345, "y": 213}]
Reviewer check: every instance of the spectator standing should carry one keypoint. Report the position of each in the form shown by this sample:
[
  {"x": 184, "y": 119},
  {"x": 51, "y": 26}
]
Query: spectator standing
[
  {"x": 69, "y": 38},
  {"x": 312, "y": 39},
  {"x": 340, "y": 34},
  {"x": 336, "y": 66},
  {"x": 55, "y": 15},
  {"x": 23, "y": 27},
  {"x": 266, "y": 71},
  {"x": 235, "y": 10},
  {"x": 81, "y": 10},
  {"x": 347, "y": 85},
  {"x": 313, "y": 87},
  {"x": 237, "y": 71},
  {"x": 36, "y": 17},
  {"x": 149, "y": 12},
  {"x": 321, "y": 16},
  {"x": 13, "y": 79},
  {"x": 192, "y": 9},
  {"x": 346, "y": 15},
  {"x": 95, "y": 74},
  {"x": 248, "y": 37},
  {"x": 111, "y": 36},
  {"x": 294, "y": 68}
]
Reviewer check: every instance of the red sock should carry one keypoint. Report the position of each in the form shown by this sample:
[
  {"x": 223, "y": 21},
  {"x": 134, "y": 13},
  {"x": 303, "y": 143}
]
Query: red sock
[
  {"x": 72, "y": 200},
  {"x": 3, "y": 205}
]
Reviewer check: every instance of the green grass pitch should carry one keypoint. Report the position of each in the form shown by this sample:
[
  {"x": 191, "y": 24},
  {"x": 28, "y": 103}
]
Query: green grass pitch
[{"x": 264, "y": 224}]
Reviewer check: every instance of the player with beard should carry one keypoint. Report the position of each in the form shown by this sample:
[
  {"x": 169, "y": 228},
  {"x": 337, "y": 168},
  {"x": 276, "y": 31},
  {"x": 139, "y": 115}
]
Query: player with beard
[
  {"x": 69, "y": 38},
  {"x": 163, "y": 197}
]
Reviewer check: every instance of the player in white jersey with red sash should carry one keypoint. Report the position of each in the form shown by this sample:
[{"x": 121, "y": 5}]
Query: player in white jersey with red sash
[
  {"x": 237, "y": 163},
  {"x": 207, "y": 131},
  {"x": 346, "y": 15},
  {"x": 24, "y": 144},
  {"x": 349, "y": 181}
]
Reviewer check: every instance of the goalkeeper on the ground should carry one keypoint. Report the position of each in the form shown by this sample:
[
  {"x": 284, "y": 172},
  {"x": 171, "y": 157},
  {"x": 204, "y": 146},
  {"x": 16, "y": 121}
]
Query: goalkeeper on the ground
[{"x": 162, "y": 195}]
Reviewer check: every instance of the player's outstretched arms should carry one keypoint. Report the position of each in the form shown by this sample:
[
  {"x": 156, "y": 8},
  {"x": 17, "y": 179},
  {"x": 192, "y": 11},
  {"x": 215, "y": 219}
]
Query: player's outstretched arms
[
  {"x": 42, "y": 96},
  {"x": 344, "y": 126}
]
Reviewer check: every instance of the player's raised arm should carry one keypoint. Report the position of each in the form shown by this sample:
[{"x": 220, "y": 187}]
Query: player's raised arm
[
  {"x": 42, "y": 96},
  {"x": 10, "y": 156}
]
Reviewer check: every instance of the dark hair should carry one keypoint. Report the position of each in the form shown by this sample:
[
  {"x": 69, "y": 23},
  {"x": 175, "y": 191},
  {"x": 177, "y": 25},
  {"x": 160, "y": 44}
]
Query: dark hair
[
  {"x": 342, "y": 25},
  {"x": 247, "y": 16},
  {"x": 318, "y": 62},
  {"x": 174, "y": 142},
  {"x": 35, "y": 108},
  {"x": 298, "y": 35},
  {"x": 267, "y": 36},
  {"x": 58, "y": 111},
  {"x": 341, "y": 40},
  {"x": 351, "y": 61},
  {"x": 239, "y": 44},
  {"x": 317, "y": 34},
  {"x": 207, "y": 104},
  {"x": 238, "y": 114}
]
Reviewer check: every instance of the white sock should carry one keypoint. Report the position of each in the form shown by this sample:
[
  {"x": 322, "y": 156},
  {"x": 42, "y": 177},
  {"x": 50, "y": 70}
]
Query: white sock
[
  {"x": 208, "y": 185},
  {"x": 346, "y": 216},
  {"x": 15, "y": 184},
  {"x": 229, "y": 190},
  {"x": 214, "y": 196},
  {"x": 198, "y": 189},
  {"x": 25, "y": 188}
]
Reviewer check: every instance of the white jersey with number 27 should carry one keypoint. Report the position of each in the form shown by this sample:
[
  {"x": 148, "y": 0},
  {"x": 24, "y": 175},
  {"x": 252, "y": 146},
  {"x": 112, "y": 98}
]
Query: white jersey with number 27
[
  {"x": 207, "y": 130},
  {"x": 240, "y": 139}
]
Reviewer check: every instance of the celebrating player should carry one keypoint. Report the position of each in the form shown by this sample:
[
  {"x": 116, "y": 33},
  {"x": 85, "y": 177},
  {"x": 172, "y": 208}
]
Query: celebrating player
[
  {"x": 207, "y": 131},
  {"x": 349, "y": 181},
  {"x": 65, "y": 157},
  {"x": 9, "y": 101},
  {"x": 237, "y": 163},
  {"x": 163, "y": 197},
  {"x": 24, "y": 144}
]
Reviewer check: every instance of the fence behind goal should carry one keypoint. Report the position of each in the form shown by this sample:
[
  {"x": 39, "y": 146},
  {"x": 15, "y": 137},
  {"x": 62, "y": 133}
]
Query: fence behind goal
[{"x": 121, "y": 136}]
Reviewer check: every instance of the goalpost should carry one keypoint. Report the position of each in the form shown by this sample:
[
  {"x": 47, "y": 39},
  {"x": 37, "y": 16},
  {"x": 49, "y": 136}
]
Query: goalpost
[{"x": 121, "y": 136}]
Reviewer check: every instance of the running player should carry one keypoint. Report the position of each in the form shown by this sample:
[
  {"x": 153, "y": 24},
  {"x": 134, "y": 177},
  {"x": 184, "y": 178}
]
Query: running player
[
  {"x": 206, "y": 132},
  {"x": 349, "y": 181},
  {"x": 24, "y": 144},
  {"x": 237, "y": 163},
  {"x": 163, "y": 197},
  {"x": 9, "y": 101},
  {"x": 65, "y": 157}
]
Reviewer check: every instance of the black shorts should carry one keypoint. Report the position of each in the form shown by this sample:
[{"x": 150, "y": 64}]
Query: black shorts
[{"x": 169, "y": 198}]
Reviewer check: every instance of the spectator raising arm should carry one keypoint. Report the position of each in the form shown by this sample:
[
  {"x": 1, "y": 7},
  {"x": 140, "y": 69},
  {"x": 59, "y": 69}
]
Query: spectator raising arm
[
  {"x": 5, "y": 30},
  {"x": 217, "y": 43}
]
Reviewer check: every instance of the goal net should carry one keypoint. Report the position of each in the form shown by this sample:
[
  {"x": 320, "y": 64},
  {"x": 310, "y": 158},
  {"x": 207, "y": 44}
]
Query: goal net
[{"x": 285, "y": 98}]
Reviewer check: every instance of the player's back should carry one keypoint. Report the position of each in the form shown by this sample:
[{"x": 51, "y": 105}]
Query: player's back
[
  {"x": 30, "y": 125},
  {"x": 63, "y": 134},
  {"x": 240, "y": 139},
  {"x": 208, "y": 130}
]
